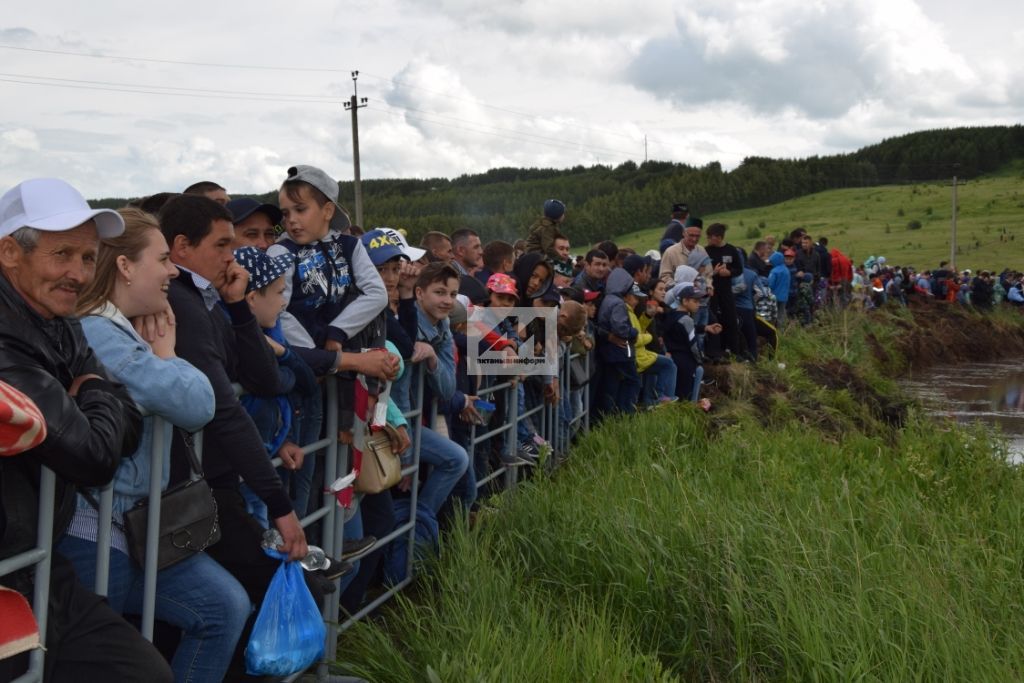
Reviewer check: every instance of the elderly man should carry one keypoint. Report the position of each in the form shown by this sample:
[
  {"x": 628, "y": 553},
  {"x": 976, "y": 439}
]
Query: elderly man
[
  {"x": 49, "y": 238},
  {"x": 686, "y": 252}
]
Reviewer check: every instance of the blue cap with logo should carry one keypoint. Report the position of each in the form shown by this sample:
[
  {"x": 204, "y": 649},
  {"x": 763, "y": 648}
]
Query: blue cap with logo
[
  {"x": 263, "y": 269},
  {"x": 384, "y": 244}
]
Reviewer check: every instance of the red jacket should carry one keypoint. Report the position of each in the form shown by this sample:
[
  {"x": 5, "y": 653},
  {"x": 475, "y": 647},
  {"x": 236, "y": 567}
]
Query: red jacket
[{"x": 842, "y": 268}]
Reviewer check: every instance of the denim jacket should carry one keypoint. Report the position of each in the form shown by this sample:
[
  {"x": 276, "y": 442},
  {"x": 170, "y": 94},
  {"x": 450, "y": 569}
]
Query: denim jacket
[
  {"x": 442, "y": 380},
  {"x": 169, "y": 388}
]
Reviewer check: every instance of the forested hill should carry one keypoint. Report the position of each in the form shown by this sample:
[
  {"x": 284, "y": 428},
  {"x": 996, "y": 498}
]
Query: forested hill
[{"x": 604, "y": 202}]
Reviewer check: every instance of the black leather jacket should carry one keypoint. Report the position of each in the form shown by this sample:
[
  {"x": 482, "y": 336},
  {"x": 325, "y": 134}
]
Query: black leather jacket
[{"x": 86, "y": 435}]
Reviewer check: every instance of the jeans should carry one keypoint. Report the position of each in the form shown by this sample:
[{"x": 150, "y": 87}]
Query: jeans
[
  {"x": 621, "y": 387},
  {"x": 698, "y": 377},
  {"x": 377, "y": 518},
  {"x": 659, "y": 380},
  {"x": 197, "y": 595},
  {"x": 306, "y": 428},
  {"x": 688, "y": 375},
  {"x": 448, "y": 462}
]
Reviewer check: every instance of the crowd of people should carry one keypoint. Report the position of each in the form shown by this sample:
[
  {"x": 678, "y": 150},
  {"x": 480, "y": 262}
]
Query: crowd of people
[{"x": 112, "y": 319}]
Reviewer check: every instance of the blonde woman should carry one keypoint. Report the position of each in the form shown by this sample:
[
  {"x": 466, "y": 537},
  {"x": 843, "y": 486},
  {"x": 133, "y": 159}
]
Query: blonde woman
[{"x": 129, "y": 324}]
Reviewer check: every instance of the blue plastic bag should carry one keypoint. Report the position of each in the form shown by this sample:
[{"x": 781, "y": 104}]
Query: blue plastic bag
[{"x": 289, "y": 632}]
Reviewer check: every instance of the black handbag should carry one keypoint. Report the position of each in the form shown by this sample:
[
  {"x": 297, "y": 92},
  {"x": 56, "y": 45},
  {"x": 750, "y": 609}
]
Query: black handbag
[{"x": 188, "y": 517}]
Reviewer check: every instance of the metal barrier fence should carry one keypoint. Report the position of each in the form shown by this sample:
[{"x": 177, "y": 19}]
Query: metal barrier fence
[{"x": 330, "y": 512}]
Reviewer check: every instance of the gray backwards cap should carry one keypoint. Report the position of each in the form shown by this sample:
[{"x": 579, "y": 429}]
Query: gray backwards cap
[{"x": 326, "y": 184}]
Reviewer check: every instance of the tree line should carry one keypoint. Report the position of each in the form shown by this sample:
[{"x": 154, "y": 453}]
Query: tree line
[{"x": 606, "y": 201}]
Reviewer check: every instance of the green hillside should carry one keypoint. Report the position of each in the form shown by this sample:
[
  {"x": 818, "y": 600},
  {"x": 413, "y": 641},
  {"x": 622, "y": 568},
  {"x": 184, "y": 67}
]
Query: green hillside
[
  {"x": 875, "y": 220},
  {"x": 605, "y": 202}
]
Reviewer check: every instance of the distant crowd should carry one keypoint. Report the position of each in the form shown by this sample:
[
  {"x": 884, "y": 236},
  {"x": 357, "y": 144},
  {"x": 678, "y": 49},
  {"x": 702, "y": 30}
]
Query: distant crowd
[{"x": 115, "y": 318}]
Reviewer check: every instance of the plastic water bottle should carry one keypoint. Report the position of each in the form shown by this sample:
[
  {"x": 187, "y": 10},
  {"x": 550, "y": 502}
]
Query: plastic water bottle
[{"x": 315, "y": 558}]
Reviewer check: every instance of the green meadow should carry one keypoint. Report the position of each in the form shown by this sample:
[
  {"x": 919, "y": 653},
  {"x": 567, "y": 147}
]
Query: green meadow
[
  {"x": 814, "y": 527},
  {"x": 883, "y": 221}
]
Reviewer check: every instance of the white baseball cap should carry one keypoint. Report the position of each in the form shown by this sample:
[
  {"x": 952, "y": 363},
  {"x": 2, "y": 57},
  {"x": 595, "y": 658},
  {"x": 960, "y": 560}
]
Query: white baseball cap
[
  {"x": 52, "y": 205},
  {"x": 413, "y": 253}
]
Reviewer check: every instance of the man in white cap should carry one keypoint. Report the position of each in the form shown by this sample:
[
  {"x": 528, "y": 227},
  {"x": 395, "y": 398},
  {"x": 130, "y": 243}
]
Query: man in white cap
[{"x": 49, "y": 238}]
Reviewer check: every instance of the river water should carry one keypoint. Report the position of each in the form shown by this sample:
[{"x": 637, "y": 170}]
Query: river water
[{"x": 991, "y": 393}]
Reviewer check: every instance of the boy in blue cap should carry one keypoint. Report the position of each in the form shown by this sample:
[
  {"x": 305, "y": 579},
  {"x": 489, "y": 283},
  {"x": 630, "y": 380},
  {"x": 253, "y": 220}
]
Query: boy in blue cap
[{"x": 292, "y": 417}]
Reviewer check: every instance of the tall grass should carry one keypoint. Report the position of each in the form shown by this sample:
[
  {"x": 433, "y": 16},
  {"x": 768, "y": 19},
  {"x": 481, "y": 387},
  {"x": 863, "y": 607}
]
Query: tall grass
[{"x": 678, "y": 546}]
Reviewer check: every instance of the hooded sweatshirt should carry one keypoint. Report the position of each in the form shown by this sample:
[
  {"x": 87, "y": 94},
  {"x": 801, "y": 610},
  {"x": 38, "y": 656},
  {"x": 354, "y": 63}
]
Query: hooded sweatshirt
[
  {"x": 523, "y": 269},
  {"x": 613, "y": 318},
  {"x": 644, "y": 356},
  {"x": 778, "y": 278}
]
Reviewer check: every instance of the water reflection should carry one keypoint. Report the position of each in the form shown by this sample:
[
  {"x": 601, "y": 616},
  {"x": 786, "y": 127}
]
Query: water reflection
[{"x": 985, "y": 392}]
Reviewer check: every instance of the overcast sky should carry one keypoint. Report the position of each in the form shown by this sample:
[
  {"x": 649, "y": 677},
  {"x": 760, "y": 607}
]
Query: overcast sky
[{"x": 97, "y": 92}]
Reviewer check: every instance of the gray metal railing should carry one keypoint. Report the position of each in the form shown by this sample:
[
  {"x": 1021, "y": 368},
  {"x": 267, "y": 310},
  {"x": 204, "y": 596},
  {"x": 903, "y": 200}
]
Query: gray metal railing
[{"x": 333, "y": 518}]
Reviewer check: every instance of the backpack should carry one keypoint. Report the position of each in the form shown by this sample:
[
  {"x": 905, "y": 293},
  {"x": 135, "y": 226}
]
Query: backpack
[{"x": 766, "y": 306}]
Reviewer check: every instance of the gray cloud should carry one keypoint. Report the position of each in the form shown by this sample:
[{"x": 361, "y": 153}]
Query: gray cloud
[
  {"x": 16, "y": 34},
  {"x": 819, "y": 64}
]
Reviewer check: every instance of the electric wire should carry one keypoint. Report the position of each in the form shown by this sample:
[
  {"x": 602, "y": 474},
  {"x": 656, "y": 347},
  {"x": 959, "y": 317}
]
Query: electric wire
[{"x": 394, "y": 81}]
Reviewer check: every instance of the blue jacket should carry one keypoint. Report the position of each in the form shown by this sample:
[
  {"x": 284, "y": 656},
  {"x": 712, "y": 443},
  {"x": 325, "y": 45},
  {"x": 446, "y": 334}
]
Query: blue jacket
[
  {"x": 294, "y": 414},
  {"x": 172, "y": 389},
  {"x": 745, "y": 299},
  {"x": 613, "y": 318},
  {"x": 778, "y": 278},
  {"x": 441, "y": 382}
]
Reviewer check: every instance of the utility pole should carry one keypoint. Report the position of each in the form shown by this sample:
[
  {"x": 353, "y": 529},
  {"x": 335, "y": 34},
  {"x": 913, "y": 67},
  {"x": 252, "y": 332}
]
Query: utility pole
[
  {"x": 645, "y": 149},
  {"x": 354, "y": 104},
  {"x": 952, "y": 242}
]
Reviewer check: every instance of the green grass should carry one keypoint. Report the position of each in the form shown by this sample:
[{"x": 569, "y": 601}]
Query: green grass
[
  {"x": 791, "y": 535},
  {"x": 868, "y": 221}
]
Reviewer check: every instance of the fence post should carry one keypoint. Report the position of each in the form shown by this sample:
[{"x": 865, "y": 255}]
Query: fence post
[
  {"x": 103, "y": 516},
  {"x": 334, "y": 522},
  {"x": 414, "y": 489},
  {"x": 153, "y": 530},
  {"x": 512, "y": 441},
  {"x": 44, "y": 540}
]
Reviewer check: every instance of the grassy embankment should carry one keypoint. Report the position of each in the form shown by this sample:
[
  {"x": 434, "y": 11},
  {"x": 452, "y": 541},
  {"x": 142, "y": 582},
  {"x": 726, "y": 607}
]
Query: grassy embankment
[
  {"x": 873, "y": 220},
  {"x": 815, "y": 526}
]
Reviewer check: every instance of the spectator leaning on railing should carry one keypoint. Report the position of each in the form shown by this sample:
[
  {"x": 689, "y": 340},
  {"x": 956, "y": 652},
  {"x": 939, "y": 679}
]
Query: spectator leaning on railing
[
  {"x": 129, "y": 324},
  {"x": 48, "y": 243},
  {"x": 219, "y": 335}
]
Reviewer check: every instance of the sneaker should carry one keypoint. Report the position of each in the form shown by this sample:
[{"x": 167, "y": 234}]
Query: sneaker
[
  {"x": 667, "y": 399},
  {"x": 339, "y": 568},
  {"x": 529, "y": 452},
  {"x": 516, "y": 460},
  {"x": 357, "y": 547}
]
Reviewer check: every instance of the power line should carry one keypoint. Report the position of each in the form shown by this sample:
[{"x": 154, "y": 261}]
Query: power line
[
  {"x": 218, "y": 91},
  {"x": 260, "y": 67},
  {"x": 143, "y": 89},
  {"x": 139, "y": 91},
  {"x": 171, "y": 61}
]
